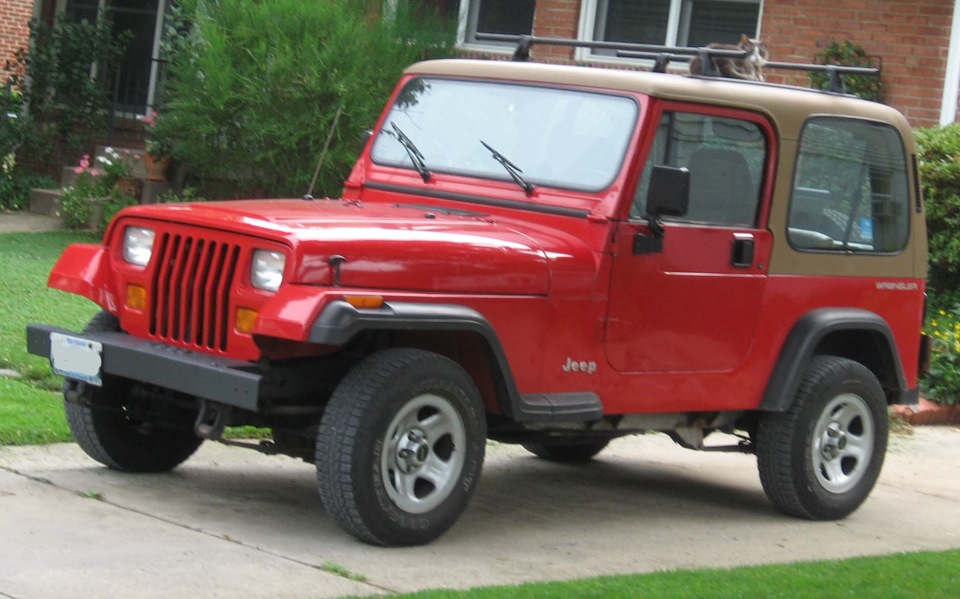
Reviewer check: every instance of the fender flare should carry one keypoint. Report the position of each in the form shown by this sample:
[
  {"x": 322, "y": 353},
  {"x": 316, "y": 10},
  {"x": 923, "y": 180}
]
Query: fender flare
[
  {"x": 340, "y": 322},
  {"x": 807, "y": 334}
]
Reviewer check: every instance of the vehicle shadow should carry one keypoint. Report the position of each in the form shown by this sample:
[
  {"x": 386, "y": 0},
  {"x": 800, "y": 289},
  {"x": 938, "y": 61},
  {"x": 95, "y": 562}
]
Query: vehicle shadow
[{"x": 261, "y": 497}]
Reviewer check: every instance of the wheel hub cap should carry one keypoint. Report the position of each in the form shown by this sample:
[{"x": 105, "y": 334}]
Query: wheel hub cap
[
  {"x": 413, "y": 449},
  {"x": 423, "y": 453},
  {"x": 843, "y": 443},
  {"x": 835, "y": 441}
]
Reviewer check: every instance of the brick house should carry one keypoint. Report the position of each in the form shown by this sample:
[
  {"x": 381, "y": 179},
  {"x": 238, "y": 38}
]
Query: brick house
[
  {"x": 918, "y": 42},
  {"x": 14, "y": 31},
  {"x": 140, "y": 69}
]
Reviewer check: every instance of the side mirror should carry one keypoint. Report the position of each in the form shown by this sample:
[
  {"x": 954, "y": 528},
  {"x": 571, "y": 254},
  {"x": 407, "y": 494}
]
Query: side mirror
[{"x": 669, "y": 192}]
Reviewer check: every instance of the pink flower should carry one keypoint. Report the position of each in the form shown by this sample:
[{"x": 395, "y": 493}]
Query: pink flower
[{"x": 78, "y": 169}]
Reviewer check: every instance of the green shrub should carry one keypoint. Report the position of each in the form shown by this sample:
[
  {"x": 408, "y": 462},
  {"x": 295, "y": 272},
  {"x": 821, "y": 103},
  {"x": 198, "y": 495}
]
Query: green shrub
[
  {"x": 16, "y": 183},
  {"x": 942, "y": 383},
  {"x": 76, "y": 203},
  {"x": 850, "y": 54},
  {"x": 65, "y": 100},
  {"x": 115, "y": 201},
  {"x": 14, "y": 124},
  {"x": 939, "y": 154},
  {"x": 255, "y": 85}
]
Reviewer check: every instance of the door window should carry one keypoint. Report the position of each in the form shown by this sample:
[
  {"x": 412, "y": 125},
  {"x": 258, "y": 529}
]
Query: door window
[{"x": 725, "y": 157}]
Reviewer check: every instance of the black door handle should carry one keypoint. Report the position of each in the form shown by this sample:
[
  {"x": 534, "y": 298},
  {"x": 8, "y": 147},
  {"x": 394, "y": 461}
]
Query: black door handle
[{"x": 742, "y": 254}]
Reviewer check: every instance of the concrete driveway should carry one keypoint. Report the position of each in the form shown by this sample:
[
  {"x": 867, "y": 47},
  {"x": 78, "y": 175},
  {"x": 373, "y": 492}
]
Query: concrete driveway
[{"x": 233, "y": 523}]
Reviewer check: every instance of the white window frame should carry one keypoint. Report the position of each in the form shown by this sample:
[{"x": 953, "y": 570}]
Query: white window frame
[
  {"x": 588, "y": 23},
  {"x": 468, "y": 12}
]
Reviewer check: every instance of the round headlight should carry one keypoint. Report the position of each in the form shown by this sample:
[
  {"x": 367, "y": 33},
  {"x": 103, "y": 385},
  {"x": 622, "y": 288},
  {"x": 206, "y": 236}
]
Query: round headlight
[
  {"x": 267, "y": 270},
  {"x": 138, "y": 245}
]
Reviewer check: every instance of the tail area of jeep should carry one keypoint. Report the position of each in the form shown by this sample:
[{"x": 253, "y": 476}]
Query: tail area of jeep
[{"x": 547, "y": 255}]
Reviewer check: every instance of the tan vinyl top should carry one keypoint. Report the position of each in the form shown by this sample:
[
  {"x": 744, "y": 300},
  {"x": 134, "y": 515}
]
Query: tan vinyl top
[{"x": 787, "y": 106}]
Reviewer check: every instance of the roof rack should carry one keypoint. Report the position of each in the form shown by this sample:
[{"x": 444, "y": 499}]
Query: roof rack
[{"x": 664, "y": 55}]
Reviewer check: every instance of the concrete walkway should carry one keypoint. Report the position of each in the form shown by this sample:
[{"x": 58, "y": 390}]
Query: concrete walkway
[
  {"x": 233, "y": 523},
  {"x": 27, "y": 222}
]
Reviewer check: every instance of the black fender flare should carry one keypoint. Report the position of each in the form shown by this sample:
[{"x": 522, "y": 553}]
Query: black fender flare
[
  {"x": 807, "y": 334},
  {"x": 340, "y": 322}
]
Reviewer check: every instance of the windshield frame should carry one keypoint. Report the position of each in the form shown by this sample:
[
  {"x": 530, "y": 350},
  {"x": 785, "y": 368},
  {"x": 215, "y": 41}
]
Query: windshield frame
[{"x": 495, "y": 171}]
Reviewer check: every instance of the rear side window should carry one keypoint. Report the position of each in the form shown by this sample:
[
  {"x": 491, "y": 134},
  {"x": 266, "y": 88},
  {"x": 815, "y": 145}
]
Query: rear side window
[{"x": 850, "y": 190}]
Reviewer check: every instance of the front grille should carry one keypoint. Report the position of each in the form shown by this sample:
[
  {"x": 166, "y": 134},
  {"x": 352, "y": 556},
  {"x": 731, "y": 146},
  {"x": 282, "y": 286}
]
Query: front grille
[{"x": 191, "y": 291}]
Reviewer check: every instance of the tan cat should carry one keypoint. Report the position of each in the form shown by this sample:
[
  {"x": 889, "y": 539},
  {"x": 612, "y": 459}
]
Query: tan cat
[{"x": 750, "y": 67}]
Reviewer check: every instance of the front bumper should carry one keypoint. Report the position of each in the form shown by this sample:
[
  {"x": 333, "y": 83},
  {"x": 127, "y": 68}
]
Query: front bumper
[{"x": 228, "y": 381}]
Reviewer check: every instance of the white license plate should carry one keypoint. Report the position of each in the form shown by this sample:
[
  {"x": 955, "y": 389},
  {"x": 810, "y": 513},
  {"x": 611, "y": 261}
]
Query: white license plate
[{"x": 76, "y": 358}]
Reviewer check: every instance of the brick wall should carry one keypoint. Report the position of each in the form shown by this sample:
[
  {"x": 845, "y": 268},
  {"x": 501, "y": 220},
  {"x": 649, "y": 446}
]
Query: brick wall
[
  {"x": 556, "y": 18},
  {"x": 14, "y": 32},
  {"x": 912, "y": 38}
]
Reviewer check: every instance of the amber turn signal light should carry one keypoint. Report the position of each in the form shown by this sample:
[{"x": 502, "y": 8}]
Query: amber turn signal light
[
  {"x": 245, "y": 320},
  {"x": 136, "y": 297},
  {"x": 364, "y": 302}
]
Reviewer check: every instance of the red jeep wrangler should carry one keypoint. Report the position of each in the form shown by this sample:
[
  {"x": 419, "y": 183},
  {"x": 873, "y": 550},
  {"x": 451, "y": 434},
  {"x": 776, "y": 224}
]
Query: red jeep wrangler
[{"x": 539, "y": 254}]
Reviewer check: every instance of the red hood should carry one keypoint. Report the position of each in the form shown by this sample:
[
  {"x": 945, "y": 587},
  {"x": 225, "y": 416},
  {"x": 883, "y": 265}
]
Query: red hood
[{"x": 389, "y": 247}]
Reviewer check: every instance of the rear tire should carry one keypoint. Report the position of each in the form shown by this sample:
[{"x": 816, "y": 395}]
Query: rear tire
[
  {"x": 567, "y": 451},
  {"x": 105, "y": 424},
  {"x": 820, "y": 459},
  {"x": 400, "y": 447}
]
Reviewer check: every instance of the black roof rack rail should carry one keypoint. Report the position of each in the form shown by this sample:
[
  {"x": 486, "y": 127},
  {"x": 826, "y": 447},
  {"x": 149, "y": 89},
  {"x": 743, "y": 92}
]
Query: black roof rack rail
[{"x": 663, "y": 55}]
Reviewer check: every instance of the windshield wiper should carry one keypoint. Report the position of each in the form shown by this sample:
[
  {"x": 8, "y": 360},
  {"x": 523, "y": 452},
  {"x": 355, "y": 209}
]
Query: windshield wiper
[
  {"x": 415, "y": 156},
  {"x": 511, "y": 168}
]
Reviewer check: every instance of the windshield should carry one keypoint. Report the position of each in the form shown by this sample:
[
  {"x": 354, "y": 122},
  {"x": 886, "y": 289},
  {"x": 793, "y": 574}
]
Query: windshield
[{"x": 554, "y": 137}]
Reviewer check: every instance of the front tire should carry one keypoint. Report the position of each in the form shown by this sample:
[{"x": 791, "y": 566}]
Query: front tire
[
  {"x": 400, "y": 447},
  {"x": 821, "y": 458},
  {"x": 107, "y": 423}
]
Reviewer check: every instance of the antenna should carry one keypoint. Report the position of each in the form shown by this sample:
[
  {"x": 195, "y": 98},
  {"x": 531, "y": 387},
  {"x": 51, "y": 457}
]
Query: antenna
[{"x": 323, "y": 154}]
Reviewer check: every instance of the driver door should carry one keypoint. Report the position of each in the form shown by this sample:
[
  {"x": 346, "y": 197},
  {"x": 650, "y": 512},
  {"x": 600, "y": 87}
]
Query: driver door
[{"x": 690, "y": 300}]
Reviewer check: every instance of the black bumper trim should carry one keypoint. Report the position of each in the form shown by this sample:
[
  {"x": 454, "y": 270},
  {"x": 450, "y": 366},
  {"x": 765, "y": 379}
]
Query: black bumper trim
[
  {"x": 910, "y": 397},
  {"x": 559, "y": 407},
  {"x": 216, "y": 378}
]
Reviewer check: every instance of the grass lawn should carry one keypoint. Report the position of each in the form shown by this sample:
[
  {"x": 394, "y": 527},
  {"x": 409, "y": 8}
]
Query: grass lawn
[
  {"x": 30, "y": 416},
  {"x": 30, "y": 411},
  {"x": 931, "y": 575},
  {"x": 25, "y": 262}
]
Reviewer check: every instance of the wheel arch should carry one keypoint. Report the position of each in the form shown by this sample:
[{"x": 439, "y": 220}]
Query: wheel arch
[
  {"x": 457, "y": 332},
  {"x": 852, "y": 333}
]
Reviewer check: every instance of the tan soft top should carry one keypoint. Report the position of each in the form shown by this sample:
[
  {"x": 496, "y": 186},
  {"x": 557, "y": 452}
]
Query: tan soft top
[{"x": 787, "y": 106}]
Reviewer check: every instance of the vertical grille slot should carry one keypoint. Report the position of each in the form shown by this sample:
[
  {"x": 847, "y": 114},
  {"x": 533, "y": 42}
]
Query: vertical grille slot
[{"x": 191, "y": 289}]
